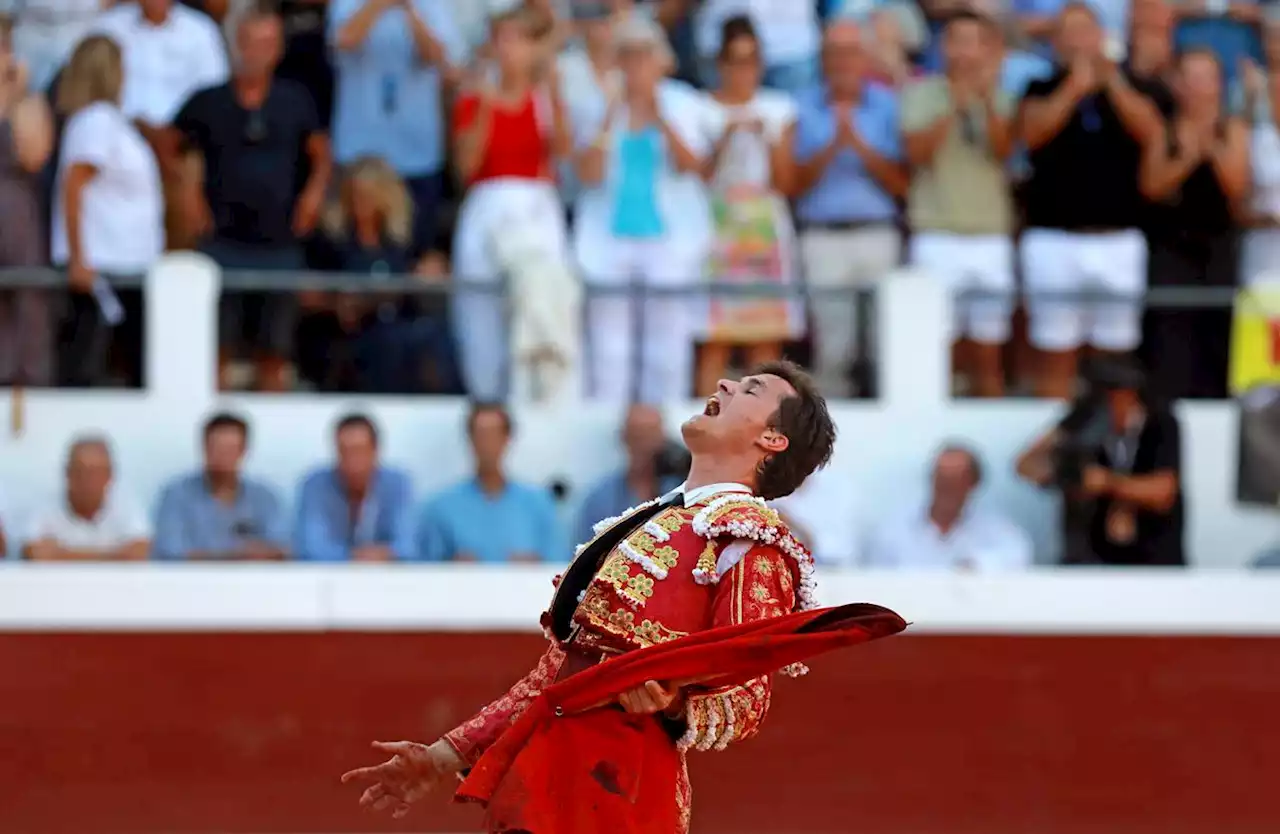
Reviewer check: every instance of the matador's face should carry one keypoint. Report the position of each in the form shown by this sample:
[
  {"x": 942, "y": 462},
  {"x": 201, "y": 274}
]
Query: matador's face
[{"x": 738, "y": 416}]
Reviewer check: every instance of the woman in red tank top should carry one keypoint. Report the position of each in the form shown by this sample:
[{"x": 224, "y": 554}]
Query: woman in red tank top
[{"x": 507, "y": 131}]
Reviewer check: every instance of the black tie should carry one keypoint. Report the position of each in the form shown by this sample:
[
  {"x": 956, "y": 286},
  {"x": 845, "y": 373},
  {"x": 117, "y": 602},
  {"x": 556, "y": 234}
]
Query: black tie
[{"x": 583, "y": 569}]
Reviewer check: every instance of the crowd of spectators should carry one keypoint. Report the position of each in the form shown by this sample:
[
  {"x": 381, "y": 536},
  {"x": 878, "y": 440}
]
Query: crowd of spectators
[{"x": 578, "y": 169}]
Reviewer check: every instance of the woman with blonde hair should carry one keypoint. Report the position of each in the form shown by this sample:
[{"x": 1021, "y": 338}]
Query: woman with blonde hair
[
  {"x": 26, "y": 139},
  {"x": 373, "y": 342},
  {"x": 108, "y": 208}
]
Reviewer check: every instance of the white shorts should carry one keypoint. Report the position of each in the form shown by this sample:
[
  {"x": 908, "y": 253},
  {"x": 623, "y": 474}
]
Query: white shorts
[
  {"x": 1111, "y": 263},
  {"x": 982, "y": 263}
]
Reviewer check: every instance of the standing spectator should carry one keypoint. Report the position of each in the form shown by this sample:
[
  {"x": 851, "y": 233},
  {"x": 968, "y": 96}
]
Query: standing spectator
[
  {"x": 366, "y": 342},
  {"x": 358, "y": 510},
  {"x": 643, "y": 221},
  {"x": 46, "y": 31},
  {"x": 958, "y": 136},
  {"x": 218, "y": 513},
  {"x": 951, "y": 531},
  {"x": 490, "y": 518},
  {"x": 507, "y": 134},
  {"x": 26, "y": 140},
  {"x": 1196, "y": 172},
  {"x": 170, "y": 51},
  {"x": 754, "y": 236},
  {"x": 255, "y": 135},
  {"x": 306, "y": 52},
  {"x": 93, "y": 520},
  {"x": 589, "y": 79},
  {"x": 1084, "y": 127},
  {"x": 789, "y": 33},
  {"x": 1151, "y": 42},
  {"x": 848, "y": 175},
  {"x": 644, "y": 439},
  {"x": 1228, "y": 29},
  {"x": 1260, "y": 259},
  {"x": 108, "y": 214},
  {"x": 390, "y": 58},
  {"x": 897, "y": 33},
  {"x": 1038, "y": 21}
]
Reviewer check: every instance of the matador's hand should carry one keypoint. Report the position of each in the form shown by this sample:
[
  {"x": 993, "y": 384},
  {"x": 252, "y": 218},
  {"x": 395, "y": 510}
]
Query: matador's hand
[
  {"x": 412, "y": 772},
  {"x": 652, "y": 698}
]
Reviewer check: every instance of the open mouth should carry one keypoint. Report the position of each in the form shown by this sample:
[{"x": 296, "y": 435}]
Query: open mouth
[{"x": 713, "y": 407}]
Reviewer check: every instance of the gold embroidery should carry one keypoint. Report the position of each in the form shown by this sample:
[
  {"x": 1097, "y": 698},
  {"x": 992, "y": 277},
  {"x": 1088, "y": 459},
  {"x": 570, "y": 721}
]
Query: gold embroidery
[
  {"x": 761, "y": 594},
  {"x": 671, "y": 521},
  {"x": 764, "y": 565},
  {"x": 707, "y": 559},
  {"x": 616, "y": 571},
  {"x": 666, "y": 557},
  {"x": 624, "y": 620},
  {"x": 650, "y": 633},
  {"x": 638, "y": 588},
  {"x": 642, "y": 541},
  {"x": 620, "y": 623}
]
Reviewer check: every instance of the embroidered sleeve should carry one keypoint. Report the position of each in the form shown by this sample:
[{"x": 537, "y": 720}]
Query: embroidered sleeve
[
  {"x": 758, "y": 586},
  {"x": 473, "y": 737}
]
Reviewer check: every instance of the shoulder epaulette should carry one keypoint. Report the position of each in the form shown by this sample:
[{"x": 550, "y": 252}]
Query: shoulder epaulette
[{"x": 749, "y": 517}]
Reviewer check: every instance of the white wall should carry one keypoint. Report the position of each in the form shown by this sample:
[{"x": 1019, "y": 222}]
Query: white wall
[{"x": 882, "y": 455}]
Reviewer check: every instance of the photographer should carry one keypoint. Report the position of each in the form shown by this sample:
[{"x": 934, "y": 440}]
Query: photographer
[
  {"x": 1116, "y": 457},
  {"x": 654, "y": 467}
]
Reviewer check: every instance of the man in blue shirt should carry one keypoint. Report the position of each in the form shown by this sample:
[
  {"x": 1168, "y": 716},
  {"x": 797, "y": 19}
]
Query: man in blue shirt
[
  {"x": 848, "y": 175},
  {"x": 390, "y": 58},
  {"x": 218, "y": 513},
  {"x": 640, "y": 481},
  {"x": 489, "y": 518},
  {"x": 357, "y": 510}
]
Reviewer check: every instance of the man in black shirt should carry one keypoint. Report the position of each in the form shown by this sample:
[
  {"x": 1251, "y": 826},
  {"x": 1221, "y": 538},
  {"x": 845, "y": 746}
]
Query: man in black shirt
[
  {"x": 266, "y": 168},
  {"x": 1084, "y": 128},
  {"x": 1117, "y": 456}
]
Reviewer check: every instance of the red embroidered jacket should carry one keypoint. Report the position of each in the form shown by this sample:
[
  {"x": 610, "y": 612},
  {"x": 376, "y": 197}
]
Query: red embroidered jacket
[{"x": 722, "y": 561}]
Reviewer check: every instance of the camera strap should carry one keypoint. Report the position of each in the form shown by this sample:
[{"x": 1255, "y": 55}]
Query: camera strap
[{"x": 1123, "y": 449}]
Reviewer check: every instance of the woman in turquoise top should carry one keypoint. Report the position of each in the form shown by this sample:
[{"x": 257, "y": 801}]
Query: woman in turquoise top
[{"x": 642, "y": 221}]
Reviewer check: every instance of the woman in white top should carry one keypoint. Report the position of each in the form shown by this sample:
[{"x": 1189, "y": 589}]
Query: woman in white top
[
  {"x": 754, "y": 240},
  {"x": 108, "y": 209},
  {"x": 642, "y": 223}
]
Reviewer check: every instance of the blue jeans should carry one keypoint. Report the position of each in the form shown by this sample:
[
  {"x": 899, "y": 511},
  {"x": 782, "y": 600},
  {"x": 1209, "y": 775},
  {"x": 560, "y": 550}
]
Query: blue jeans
[
  {"x": 392, "y": 356},
  {"x": 427, "y": 192}
]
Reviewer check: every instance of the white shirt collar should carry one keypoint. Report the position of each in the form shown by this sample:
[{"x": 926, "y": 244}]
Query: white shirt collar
[{"x": 702, "y": 493}]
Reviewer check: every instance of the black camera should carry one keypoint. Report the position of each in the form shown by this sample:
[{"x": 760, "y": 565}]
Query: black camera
[
  {"x": 1087, "y": 428},
  {"x": 672, "y": 461}
]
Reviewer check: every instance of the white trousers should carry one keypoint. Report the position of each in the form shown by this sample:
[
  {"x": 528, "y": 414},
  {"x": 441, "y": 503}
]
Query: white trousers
[
  {"x": 843, "y": 259},
  {"x": 480, "y": 315},
  {"x": 641, "y": 349},
  {"x": 982, "y": 263},
  {"x": 1114, "y": 263}
]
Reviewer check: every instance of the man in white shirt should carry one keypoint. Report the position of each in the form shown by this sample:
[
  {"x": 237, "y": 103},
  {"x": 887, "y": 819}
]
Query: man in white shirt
[
  {"x": 951, "y": 533},
  {"x": 92, "y": 521}
]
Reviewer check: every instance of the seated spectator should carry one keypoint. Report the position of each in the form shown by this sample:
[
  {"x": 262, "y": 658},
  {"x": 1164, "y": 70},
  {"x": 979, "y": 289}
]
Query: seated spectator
[
  {"x": 255, "y": 135},
  {"x": 489, "y": 518},
  {"x": 958, "y": 135},
  {"x": 640, "y": 480},
  {"x": 367, "y": 342},
  {"x": 822, "y": 516},
  {"x": 218, "y": 513},
  {"x": 1117, "y": 458},
  {"x": 754, "y": 237},
  {"x": 108, "y": 214},
  {"x": 1084, "y": 128},
  {"x": 951, "y": 532},
  {"x": 46, "y": 31},
  {"x": 389, "y": 60},
  {"x": 1196, "y": 172},
  {"x": 848, "y": 174},
  {"x": 507, "y": 132},
  {"x": 357, "y": 510},
  {"x": 790, "y": 36},
  {"x": 93, "y": 520},
  {"x": 1260, "y": 258},
  {"x": 170, "y": 52},
  {"x": 26, "y": 140},
  {"x": 643, "y": 221}
]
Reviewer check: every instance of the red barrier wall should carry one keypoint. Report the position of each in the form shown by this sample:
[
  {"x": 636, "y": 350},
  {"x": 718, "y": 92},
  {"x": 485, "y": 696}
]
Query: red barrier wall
[{"x": 231, "y": 733}]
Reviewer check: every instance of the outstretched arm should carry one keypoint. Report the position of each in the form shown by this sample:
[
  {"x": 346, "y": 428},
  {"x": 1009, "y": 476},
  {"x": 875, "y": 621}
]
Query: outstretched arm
[
  {"x": 758, "y": 587},
  {"x": 474, "y": 736}
]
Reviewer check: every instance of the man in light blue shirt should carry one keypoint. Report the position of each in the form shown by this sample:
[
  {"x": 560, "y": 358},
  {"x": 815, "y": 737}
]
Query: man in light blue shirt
[
  {"x": 489, "y": 518},
  {"x": 357, "y": 510},
  {"x": 390, "y": 58},
  {"x": 640, "y": 481},
  {"x": 848, "y": 175},
  {"x": 218, "y": 513}
]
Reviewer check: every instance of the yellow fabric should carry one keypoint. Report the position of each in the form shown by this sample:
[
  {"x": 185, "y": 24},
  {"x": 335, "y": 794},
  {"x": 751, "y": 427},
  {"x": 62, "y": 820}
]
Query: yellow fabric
[{"x": 1255, "y": 339}]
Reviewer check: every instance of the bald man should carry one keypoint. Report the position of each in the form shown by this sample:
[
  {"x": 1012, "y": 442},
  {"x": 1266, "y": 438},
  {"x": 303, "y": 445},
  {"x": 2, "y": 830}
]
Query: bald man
[{"x": 643, "y": 437}]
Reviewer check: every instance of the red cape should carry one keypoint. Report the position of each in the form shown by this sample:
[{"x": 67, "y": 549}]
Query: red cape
[{"x": 566, "y": 766}]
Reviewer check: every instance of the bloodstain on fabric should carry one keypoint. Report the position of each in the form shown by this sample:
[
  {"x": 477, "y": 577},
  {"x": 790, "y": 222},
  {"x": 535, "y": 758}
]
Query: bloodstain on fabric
[{"x": 606, "y": 776}]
